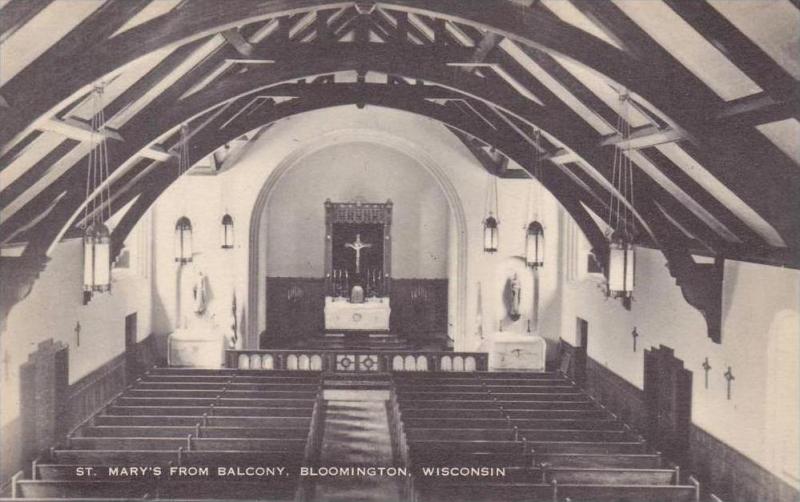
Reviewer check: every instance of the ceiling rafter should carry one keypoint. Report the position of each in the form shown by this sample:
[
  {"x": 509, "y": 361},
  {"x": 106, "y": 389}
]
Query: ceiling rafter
[
  {"x": 512, "y": 104},
  {"x": 737, "y": 47},
  {"x": 732, "y": 115},
  {"x": 212, "y": 138}
]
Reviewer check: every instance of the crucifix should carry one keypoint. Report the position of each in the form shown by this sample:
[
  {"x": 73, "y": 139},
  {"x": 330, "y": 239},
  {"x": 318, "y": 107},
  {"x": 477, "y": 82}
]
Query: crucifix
[
  {"x": 635, "y": 335},
  {"x": 706, "y": 368},
  {"x": 357, "y": 246},
  {"x": 729, "y": 377},
  {"x": 78, "y": 334}
]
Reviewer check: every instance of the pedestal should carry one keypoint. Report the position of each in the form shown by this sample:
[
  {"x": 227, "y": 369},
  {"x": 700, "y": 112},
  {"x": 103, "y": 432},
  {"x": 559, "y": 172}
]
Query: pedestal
[
  {"x": 372, "y": 315},
  {"x": 515, "y": 351},
  {"x": 196, "y": 348}
]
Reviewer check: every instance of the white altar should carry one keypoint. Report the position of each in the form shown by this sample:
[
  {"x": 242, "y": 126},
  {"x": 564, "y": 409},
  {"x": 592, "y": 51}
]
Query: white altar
[
  {"x": 196, "y": 348},
  {"x": 372, "y": 315},
  {"x": 515, "y": 351}
]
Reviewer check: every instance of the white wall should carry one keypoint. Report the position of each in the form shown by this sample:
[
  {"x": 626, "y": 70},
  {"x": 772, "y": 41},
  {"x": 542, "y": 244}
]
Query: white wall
[
  {"x": 294, "y": 152},
  {"x": 52, "y": 310},
  {"x": 753, "y": 296},
  {"x": 341, "y": 173}
]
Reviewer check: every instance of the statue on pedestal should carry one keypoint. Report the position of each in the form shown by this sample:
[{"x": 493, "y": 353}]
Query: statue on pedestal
[
  {"x": 199, "y": 294},
  {"x": 512, "y": 297}
]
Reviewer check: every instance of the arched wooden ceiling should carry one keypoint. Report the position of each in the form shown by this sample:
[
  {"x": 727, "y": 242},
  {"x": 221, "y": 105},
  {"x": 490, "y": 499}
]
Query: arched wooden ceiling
[{"x": 716, "y": 102}]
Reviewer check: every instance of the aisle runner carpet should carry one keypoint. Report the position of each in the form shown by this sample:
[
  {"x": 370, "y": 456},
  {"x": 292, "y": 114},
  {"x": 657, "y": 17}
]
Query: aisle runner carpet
[{"x": 356, "y": 434}]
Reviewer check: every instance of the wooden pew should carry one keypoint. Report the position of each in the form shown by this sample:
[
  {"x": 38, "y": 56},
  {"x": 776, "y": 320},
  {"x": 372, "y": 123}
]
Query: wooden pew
[
  {"x": 199, "y": 488},
  {"x": 221, "y": 402},
  {"x": 272, "y": 391},
  {"x": 489, "y": 423},
  {"x": 193, "y": 443},
  {"x": 571, "y": 397},
  {"x": 637, "y": 493},
  {"x": 608, "y": 476},
  {"x": 451, "y": 404},
  {"x": 555, "y": 413},
  {"x": 48, "y": 471},
  {"x": 599, "y": 460},
  {"x": 576, "y": 435},
  {"x": 415, "y": 434},
  {"x": 213, "y": 421},
  {"x": 568, "y": 475},
  {"x": 223, "y": 379},
  {"x": 421, "y": 395},
  {"x": 422, "y": 457},
  {"x": 589, "y": 424},
  {"x": 443, "y": 396},
  {"x": 435, "y": 413},
  {"x": 544, "y": 446},
  {"x": 549, "y": 405},
  {"x": 492, "y": 491},
  {"x": 198, "y": 411},
  {"x": 164, "y": 457},
  {"x": 455, "y": 423},
  {"x": 217, "y": 386},
  {"x": 455, "y": 491},
  {"x": 454, "y": 446},
  {"x": 183, "y": 431}
]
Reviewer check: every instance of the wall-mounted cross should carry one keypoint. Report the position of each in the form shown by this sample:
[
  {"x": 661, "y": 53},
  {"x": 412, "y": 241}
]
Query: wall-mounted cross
[
  {"x": 6, "y": 364},
  {"x": 634, "y": 335},
  {"x": 78, "y": 334},
  {"x": 729, "y": 377},
  {"x": 706, "y": 368}
]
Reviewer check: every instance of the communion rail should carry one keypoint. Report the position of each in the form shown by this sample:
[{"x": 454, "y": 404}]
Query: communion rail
[{"x": 356, "y": 360}]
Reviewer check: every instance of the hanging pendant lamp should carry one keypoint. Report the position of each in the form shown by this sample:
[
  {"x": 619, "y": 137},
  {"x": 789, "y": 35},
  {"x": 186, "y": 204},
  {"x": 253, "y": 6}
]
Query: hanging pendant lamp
[
  {"x": 491, "y": 232},
  {"x": 96, "y": 236},
  {"x": 226, "y": 232},
  {"x": 621, "y": 220},
  {"x": 534, "y": 231},
  {"x": 183, "y": 227}
]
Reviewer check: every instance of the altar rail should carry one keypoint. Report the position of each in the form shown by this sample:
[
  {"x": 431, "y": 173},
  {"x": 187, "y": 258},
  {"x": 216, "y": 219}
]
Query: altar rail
[{"x": 356, "y": 360}]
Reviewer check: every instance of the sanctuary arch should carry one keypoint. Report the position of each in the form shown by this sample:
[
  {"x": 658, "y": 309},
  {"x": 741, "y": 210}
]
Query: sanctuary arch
[{"x": 259, "y": 222}]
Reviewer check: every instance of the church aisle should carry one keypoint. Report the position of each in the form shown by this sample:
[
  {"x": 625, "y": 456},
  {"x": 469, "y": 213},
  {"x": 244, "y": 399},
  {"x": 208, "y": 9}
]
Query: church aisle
[{"x": 356, "y": 435}]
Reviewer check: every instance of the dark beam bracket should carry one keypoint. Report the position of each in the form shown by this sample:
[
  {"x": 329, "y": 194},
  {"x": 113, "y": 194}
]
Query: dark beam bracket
[{"x": 701, "y": 287}]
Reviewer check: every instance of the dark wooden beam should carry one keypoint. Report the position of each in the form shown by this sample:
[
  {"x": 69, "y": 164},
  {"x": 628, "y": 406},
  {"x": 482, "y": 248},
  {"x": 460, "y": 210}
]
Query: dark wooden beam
[
  {"x": 700, "y": 283},
  {"x": 25, "y": 92},
  {"x": 16, "y": 13},
  {"x": 693, "y": 92},
  {"x": 737, "y": 47},
  {"x": 144, "y": 129},
  {"x": 212, "y": 138},
  {"x": 235, "y": 38}
]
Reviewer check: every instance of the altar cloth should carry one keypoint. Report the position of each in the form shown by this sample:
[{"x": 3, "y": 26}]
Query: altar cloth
[
  {"x": 515, "y": 351},
  {"x": 372, "y": 315}
]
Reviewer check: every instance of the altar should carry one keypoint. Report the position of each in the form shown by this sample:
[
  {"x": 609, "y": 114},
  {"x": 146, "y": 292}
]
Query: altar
[
  {"x": 195, "y": 348},
  {"x": 515, "y": 352},
  {"x": 371, "y": 315}
]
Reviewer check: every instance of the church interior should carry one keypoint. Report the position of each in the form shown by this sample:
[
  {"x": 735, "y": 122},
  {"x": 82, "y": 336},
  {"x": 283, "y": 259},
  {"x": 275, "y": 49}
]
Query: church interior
[{"x": 500, "y": 250}]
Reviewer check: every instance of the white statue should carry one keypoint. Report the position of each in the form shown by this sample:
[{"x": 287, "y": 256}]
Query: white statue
[
  {"x": 514, "y": 297},
  {"x": 199, "y": 294}
]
